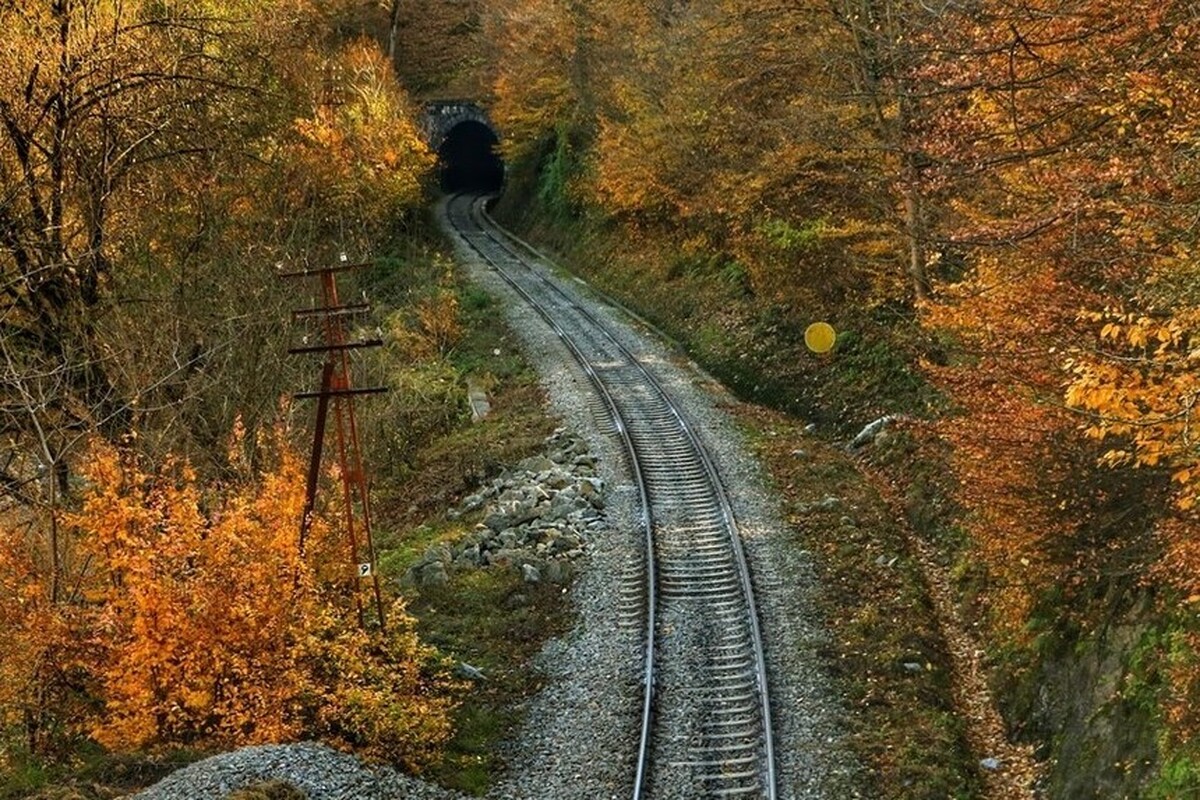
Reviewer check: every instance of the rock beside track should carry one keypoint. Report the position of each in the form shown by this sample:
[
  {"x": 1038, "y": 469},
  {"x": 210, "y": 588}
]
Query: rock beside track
[{"x": 537, "y": 517}]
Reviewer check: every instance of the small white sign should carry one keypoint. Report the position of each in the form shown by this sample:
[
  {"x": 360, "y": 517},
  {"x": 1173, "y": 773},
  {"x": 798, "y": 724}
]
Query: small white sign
[{"x": 364, "y": 570}]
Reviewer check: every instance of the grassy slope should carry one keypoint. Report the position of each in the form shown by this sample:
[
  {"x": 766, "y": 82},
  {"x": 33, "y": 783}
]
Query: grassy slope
[{"x": 887, "y": 653}]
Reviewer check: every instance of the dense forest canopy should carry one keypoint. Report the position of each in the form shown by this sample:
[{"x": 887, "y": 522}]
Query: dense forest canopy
[{"x": 997, "y": 201}]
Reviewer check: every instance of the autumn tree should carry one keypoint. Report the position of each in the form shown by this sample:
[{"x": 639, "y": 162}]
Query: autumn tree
[
  {"x": 1133, "y": 376},
  {"x": 198, "y": 621},
  {"x": 1136, "y": 375},
  {"x": 883, "y": 52},
  {"x": 156, "y": 165},
  {"x": 90, "y": 94},
  {"x": 92, "y": 97},
  {"x": 535, "y": 52},
  {"x": 146, "y": 151},
  {"x": 1069, "y": 209},
  {"x": 359, "y": 156},
  {"x": 440, "y": 47}
]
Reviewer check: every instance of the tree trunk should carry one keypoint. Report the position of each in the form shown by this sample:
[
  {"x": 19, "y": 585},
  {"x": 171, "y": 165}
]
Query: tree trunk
[
  {"x": 393, "y": 31},
  {"x": 914, "y": 229}
]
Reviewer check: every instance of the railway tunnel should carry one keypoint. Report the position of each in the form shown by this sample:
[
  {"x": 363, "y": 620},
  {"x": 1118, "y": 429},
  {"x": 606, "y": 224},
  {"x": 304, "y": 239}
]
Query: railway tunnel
[
  {"x": 468, "y": 159},
  {"x": 466, "y": 143}
]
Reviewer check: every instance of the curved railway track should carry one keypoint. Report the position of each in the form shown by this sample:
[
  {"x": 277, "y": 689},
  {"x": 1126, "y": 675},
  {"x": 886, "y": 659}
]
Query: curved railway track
[{"x": 706, "y": 718}]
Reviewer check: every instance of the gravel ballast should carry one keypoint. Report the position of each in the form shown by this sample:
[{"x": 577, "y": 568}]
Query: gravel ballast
[{"x": 813, "y": 761}]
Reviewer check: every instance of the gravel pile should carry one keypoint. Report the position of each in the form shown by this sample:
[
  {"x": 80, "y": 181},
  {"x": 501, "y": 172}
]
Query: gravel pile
[{"x": 320, "y": 772}]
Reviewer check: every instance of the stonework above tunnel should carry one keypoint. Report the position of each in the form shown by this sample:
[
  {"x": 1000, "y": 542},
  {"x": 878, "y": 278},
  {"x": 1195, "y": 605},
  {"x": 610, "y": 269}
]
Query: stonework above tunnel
[{"x": 441, "y": 116}]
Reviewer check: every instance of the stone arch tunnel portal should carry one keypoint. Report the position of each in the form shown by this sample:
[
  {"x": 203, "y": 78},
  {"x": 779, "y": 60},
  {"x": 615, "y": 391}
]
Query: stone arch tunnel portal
[{"x": 468, "y": 158}]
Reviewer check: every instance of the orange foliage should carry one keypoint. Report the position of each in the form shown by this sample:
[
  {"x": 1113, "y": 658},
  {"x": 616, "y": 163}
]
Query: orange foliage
[
  {"x": 41, "y": 656},
  {"x": 761, "y": 130},
  {"x": 434, "y": 329},
  {"x": 202, "y": 624},
  {"x": 1141, "y": 387},
  {"x": 1009, "y": 435},
  {"x": 535, "y": 64},
  {"x": 361, "y": 151}
]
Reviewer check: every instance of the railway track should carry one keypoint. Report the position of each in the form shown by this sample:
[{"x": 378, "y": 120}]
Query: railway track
[{"x": 706, "y": 718}]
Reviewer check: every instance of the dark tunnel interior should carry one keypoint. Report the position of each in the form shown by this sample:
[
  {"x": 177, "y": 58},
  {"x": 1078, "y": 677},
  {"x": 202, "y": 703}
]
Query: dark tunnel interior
[{"x": 468, "y": 159}]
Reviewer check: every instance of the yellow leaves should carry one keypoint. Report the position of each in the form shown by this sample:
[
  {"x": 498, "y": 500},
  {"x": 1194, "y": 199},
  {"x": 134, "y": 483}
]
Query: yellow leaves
[
  {"x": 533, "y": 84},
  {"x": 321, "y": 133},
  {"x": 434, "y": 329},
  {"x": 629, "y": 174},
  {"x": 439, "y": 320},
  {"x": 1139, "y": 332},
  {"x": 1143, "y": 391},
  {"x": 208, "y": 627},
  {"x": 529, "y": 109},
  {"x": 362, "y": 156},
  {"x": 1012, "y": 445}
]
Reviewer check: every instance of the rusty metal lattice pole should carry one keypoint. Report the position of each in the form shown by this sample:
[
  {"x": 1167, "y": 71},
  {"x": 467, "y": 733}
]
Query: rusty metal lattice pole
[{"x": 337, "y": 389}]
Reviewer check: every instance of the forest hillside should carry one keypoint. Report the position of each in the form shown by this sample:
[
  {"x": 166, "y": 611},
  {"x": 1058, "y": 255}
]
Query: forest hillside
[{"x": 160, "y": 165}]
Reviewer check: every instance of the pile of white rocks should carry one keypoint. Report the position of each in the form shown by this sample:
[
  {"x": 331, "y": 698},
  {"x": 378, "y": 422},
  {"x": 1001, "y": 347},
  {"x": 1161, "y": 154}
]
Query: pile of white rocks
[{"x": 537, "y": 517}]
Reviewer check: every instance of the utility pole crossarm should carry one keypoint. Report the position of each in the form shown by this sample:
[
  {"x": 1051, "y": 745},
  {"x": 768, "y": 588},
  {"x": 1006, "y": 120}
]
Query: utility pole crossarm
[
  {"x": 310, "y": 271},
  {"x": 340, "y": 392},
  {"x": 332, "y": 311},
  {"x": 325, "y": 348}
]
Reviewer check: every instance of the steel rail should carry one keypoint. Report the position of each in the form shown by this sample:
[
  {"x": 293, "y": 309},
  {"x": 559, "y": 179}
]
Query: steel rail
[
  {"x": 711, "y": 474},
  {"x": 726, "y": 510},
  {"x": 647, "y": 522}
]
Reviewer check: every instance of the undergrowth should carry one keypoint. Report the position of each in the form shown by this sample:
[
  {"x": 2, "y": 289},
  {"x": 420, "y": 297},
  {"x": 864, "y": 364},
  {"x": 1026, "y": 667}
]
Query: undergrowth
[
  {"x": 489, "y": 618},
  {"x": 494, "y": 621},
  {"x": 885, "y": 652},
  {"x": 424, "y": 454}
]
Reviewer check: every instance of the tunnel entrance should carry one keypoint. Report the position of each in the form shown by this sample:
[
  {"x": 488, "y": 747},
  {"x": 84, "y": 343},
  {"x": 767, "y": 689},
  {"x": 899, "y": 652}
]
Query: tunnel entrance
[{"x": 468, "y": 159}]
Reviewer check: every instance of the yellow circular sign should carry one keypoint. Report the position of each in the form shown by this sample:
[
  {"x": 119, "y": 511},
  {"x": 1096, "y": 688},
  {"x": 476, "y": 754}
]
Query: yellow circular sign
[{"x": 820, "y": 337}]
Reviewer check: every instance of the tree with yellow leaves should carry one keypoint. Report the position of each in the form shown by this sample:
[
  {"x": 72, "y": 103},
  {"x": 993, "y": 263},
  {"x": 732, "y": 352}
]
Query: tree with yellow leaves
[{"x": 196, "y": 620}]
